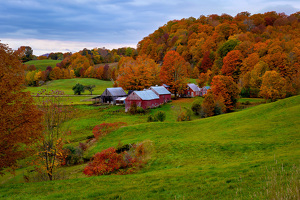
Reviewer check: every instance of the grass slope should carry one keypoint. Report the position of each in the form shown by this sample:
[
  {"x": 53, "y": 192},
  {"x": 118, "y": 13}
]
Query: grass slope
[
  {"x": 43, "y": 64},
  {"x": 222, "y": 157},
  {"x": 66, "y": 85}
]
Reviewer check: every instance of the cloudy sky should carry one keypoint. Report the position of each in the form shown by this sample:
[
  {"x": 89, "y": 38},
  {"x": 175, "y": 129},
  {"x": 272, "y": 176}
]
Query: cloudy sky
[{"x": 71, "y": 25}]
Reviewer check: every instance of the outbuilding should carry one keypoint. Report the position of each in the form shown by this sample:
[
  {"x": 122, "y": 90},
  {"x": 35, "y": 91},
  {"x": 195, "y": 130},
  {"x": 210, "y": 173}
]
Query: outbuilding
[
  {"x": 110, "y": 95},
  {"x": 162, "y": 92},
  {"x": 203, "y": 90},
  {"x": 145, "y": 99},
  {"x": 192, "y": 90}
]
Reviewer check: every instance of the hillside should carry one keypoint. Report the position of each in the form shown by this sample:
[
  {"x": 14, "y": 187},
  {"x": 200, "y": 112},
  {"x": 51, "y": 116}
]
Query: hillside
[
  {"x": 222, "y": 157},
  {"x": 43, "y": 64}
]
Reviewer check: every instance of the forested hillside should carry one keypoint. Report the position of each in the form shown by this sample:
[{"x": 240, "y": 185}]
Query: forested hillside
[{"x": 244, "y": 47}]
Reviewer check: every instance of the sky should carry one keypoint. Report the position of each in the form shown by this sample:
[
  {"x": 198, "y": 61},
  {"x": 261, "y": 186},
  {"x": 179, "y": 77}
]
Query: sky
[{"x": 71, "y": 25}]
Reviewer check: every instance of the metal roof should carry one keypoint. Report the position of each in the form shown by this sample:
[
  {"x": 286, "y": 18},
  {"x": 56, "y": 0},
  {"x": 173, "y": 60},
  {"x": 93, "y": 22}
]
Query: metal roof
[
  {"x": 121, "y": 98},
  {"x": 160, "y": 89},
  {"x": 194, "y": 87},
  {"x": 117, "y": 91},
  {"x": 146, "y": 95},
  {"x": 207, "y": 87}
]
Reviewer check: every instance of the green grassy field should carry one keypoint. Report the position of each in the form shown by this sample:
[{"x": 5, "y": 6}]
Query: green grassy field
[
  {"x": 66, "y": 85},
  {"x": 43, "y": 64},
  {"x": 221, "y": 157}
]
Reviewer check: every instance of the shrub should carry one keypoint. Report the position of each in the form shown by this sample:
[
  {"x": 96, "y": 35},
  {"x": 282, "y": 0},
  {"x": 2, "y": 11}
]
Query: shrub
[
  {"x": 123, "y": 160},
  {"x": 184, "y": 115},
  {"x": 150, "y": 118},
  {"x": 196, "y": 107},
  {"x": 74, "y": 155},
  {"x": 103, "y": 129},
  {"x": 160, "y": 116},
  {"x": 140, "y": 110}
]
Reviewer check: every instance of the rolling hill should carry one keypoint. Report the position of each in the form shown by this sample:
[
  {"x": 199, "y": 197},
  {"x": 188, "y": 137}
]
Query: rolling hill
[{"x": 230, "y": 156}]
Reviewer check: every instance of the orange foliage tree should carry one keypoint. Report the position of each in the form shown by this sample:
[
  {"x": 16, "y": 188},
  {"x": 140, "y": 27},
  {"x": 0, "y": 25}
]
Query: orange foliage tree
[
  {"x": 273, "y": 86},
  {"x": 174, "y": 72},
  {"x": 232, "y": 64},
  {"x": 225, "y": 90},
  {"x": 20, "y": 120},
  {"x": 137, "y": 74}
]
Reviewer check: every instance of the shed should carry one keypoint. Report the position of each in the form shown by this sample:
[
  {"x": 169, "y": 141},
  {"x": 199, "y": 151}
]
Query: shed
[
  {"x": 145, "y": 99},
  {"x": 191, "y": 90},
  {"x": 162, "y": 92},
  {"x": 111, "y": 94},
  {"x": 203, "y": 90}
]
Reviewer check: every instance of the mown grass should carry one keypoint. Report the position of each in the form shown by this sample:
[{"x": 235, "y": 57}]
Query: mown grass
[
  {"x": 66, "y": 85},
  {"x": 222, "y": 157},
  {"x": 43, "y": 64}
]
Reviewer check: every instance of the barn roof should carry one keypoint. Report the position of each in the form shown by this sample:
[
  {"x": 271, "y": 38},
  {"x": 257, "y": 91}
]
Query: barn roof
[
  {"x": 207, "y": 87},
  {"x": 194, "y": 87},
  {"x": 116, "y": 92},
  {"x": 160, "y": 90},
  {"x": 146, "y": 95}
]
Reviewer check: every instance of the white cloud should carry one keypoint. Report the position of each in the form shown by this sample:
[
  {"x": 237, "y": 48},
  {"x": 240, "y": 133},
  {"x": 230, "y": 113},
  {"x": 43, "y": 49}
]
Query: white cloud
[{"x": 47, "y": 46}]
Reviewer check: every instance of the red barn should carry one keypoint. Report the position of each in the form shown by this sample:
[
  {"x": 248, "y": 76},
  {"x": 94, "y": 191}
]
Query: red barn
[
  {"x": 162, "y": 92},
  {"x": 192, "y": 90},
  {"x": 145, "y": 99}
]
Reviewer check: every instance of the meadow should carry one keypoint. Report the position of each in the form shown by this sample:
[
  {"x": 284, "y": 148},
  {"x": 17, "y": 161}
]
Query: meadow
[
  {"x": 230, "y": 156},
  {"x": 43, "y": 64}
]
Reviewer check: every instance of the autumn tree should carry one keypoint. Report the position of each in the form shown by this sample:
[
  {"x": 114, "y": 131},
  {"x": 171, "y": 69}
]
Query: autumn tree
[
  {"x": 226, "y": 90},
  {"x": 137, "y": 74},
  {"x": 173, "y": 72},
  {"x": 19, "y": 117},
  {"x": 232, "y": 63},
  {"x": 273, "y": 86},
  {"x": 50, "y": 148}
]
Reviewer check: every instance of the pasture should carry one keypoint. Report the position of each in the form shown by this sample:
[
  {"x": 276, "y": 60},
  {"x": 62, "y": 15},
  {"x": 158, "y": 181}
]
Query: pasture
[
  {"x": 230, "y": 156},
  {"x": 43, "y": 64}
]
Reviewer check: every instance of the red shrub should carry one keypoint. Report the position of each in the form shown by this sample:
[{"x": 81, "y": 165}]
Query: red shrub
[
  {"x": 104, "y": 163},
  {"x": 105, "y": 128}
]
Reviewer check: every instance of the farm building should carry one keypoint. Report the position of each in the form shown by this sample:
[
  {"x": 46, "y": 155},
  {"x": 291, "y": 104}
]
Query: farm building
[
  {"x": 166, "y": 86},
  {"x": 110, "y": 95},
  {"x": 203, "y": 90},
  {"x": 162, "y": 92},
  {"x": 192, "y": 90},
  {"x": 145, "y": 99}
]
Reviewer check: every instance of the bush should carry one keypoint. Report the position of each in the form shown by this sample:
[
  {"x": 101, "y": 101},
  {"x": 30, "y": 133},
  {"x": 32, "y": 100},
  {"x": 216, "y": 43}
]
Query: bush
[
  {"x": 160, "y": 116},
  {"x": 140, "y": 110},
  {"x": 123, "y": 160},
  {"x": 196, "y": 107},
  {"x": 74, "y": 155},
  {"x": 151, "y": 118},
  {"x": 184, "y": 115}
]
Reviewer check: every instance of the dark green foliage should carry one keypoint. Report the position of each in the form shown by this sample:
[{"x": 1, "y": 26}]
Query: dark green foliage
[
  {"x": 196, "y": 107},
  {"x": 78, "y": 88},
  {"x": 151, "y": 118},
  {"x": 121, "y": 148},
  {"x": 74, "y": 155},
  {"x": 226, "y": 47},
  {"x": 160, "y": 116},
  {"x": 134, "y": 109}
]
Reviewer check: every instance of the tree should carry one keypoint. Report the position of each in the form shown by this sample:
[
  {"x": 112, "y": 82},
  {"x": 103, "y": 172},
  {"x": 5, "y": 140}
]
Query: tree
[
  {"x": 225, "y": 90},
  {"x": 173, "y": 72},
  {"x": 78, "y": 88},
  {"x": 232, "y": 63},
  {"x": 50, "y": 148},
  {"x": 273, "y": 86},
  {"x": 90, "y": 88},
  {"x": 19, "y": 117},
  {"x": 27, "y": 53}
]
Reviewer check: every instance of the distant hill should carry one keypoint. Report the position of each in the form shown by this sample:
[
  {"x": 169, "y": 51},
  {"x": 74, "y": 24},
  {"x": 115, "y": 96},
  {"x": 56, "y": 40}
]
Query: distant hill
[{"x": 42, "y": 64}]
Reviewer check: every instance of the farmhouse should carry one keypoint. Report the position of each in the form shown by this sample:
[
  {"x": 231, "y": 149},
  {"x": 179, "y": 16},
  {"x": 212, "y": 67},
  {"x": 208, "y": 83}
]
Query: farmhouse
[
  {"x": 162, "y": 92},
  {"x": 145, "y": 99},
  {"x": 110, "y": 95},
  {"x": 203, "y": 90},
  {"x": 192, "y": 90}
]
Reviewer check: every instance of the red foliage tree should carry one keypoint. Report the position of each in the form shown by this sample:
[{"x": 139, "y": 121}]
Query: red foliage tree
[
  {"x": 225, "y": 90},
  {"x": 19, "y": 117},
  {"x": 232, "y": 64}
]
